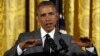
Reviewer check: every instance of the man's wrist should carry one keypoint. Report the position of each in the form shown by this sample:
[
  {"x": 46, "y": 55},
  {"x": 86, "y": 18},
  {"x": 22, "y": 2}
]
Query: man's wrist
[
  {"x": 19, "y": 50},
  {"x": 90, "y": 49},
  {"x": 89, "y": 46},
  {"x": 21, "y": 45}
]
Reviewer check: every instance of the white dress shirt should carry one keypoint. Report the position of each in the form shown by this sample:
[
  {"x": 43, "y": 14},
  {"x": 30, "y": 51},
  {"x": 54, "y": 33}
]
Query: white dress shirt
[{"x": 43, "y": 33}]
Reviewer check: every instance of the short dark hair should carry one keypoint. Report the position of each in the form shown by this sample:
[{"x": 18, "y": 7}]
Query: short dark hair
[{"x": 45, "y": 3}]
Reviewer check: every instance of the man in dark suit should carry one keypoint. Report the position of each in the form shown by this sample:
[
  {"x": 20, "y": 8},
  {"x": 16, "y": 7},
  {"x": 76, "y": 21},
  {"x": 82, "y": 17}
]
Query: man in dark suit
[{"x": 32, "y": 43}]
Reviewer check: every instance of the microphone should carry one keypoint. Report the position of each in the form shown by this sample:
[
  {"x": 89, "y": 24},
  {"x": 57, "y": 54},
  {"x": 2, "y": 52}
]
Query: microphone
[
  {"x": 64, "y": 45},
  {"x": 52, "y": 44}
]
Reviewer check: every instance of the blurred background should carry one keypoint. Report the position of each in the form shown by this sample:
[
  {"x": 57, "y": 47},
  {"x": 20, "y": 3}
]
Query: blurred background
[{"x": 78, "y": 17}]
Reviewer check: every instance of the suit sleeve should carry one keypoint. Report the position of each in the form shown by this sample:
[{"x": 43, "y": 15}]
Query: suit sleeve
[
  {"x": 92, "y": 53},
  {"x": 74, "y": 49}
]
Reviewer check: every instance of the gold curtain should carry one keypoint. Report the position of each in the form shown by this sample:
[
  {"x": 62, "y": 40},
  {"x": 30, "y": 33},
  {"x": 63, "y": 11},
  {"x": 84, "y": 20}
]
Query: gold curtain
[
  {"x": 15, "y": 20},
  {"x": 33, "y": 23},
  {"x": 82, "y": 18},
  {"x": 96, "y": 24},
  {"x": 12, "y": 22},
  {"x": 68, "y": 10},
  {"x": 32, "y": 15},
  {"x": 2, "y": 27}
]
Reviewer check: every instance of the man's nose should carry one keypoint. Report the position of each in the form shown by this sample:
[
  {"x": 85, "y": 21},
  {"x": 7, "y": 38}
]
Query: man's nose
[{"x": 48, "y": 17}]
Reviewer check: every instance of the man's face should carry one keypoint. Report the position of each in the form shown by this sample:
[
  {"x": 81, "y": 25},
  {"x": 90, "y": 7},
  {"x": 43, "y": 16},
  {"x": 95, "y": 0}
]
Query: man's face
[{"x": 47, "y": 16}]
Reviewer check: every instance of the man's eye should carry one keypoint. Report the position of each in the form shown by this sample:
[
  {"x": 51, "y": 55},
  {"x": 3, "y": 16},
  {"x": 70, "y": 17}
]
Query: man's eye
[
  {"x": 42, "y": 15},
  {"x": 51, "y": 13}
]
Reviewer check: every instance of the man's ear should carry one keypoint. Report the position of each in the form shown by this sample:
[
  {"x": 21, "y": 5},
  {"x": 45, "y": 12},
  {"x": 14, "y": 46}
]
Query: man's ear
[
  {"x": 57, "y": 15},
  {"x": 37, "y": 19}
]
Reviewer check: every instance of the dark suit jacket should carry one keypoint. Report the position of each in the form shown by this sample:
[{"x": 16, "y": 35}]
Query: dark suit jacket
[{"x": 73, "y": 49}]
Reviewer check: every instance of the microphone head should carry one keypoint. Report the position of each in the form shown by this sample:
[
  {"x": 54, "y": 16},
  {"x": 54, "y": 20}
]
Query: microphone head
[
  {"x": 64, "y": 45},
  {"x": 52, "y": 44}
]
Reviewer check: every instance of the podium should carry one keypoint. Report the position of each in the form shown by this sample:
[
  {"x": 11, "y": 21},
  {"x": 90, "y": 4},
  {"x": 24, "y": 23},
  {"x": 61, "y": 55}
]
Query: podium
[{"x": 46, "y": 54}]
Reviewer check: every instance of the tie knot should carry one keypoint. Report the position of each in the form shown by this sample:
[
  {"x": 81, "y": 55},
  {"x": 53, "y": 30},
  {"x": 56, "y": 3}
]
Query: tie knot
[
  {"x": 47, "y": 38},
  {"x": 47, "y": 35}
]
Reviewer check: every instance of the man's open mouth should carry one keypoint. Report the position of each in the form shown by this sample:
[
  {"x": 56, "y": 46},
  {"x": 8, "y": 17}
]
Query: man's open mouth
[{"x": 48, "y": 24}]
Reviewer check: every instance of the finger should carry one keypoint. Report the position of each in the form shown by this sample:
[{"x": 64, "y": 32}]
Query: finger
[
  {"x": 30, "y": 42},
  {"x": 29, "y": 46},
  {"x": 73, "y": 42},
  {"x": 38, "y": 42}
]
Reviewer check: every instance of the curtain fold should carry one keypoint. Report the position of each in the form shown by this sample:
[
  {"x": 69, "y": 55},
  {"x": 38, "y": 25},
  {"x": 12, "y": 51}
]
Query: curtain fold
[
  {"x": 15, "y": 20},
  {"x": 2, "y": 27},
  {"x": 32, "y": 15},
  {"x": 68, "y": 11},
  {"x": 33, "y": 23},
  {"x": 96, "y": 24},
  {"x": 83, "y": 17}
]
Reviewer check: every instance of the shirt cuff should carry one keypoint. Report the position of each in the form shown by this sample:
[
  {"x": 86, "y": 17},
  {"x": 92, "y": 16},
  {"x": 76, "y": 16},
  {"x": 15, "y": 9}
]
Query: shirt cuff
[
  {"x": 91, "y": 49},
  {"x": 19, "y": 50}
]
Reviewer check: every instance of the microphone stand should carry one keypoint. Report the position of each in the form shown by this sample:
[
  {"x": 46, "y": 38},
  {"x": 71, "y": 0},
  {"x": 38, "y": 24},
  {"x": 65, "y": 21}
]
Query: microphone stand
[{"x": 57, "y": 52}]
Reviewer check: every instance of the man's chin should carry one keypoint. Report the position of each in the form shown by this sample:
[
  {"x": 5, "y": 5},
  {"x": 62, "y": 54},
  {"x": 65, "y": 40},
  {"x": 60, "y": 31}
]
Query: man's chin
[{"x": 49, "y": 29}]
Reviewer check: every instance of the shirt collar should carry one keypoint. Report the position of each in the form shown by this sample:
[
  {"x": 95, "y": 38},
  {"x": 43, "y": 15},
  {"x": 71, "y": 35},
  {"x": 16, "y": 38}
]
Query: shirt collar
[{"x": 43, "y": 33}]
